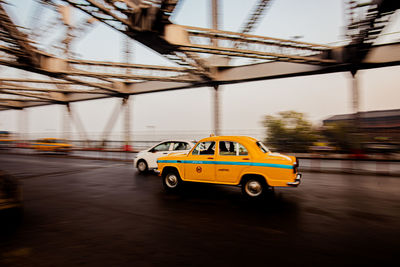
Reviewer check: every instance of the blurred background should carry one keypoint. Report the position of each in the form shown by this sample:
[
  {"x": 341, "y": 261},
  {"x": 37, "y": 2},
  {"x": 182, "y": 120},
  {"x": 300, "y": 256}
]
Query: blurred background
[
  {"x": 332, "y": 115},
  {"x": 87, "y": 84}
]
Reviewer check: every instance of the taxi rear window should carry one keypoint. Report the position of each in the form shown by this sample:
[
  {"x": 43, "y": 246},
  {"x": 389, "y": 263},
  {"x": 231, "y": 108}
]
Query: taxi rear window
[{"x": 263, "y": 148}]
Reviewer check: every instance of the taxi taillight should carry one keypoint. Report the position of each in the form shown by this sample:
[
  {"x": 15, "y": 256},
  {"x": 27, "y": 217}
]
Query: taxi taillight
[{"x": 295, "y": 166}]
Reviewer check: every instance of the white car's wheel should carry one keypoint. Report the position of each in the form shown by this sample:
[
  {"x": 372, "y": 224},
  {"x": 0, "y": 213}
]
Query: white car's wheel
[{"x": 142, "y": 166}]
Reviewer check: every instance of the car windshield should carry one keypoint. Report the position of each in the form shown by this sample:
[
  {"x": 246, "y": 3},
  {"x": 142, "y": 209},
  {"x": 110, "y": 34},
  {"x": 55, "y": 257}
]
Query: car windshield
[
  {"x": 204, "y": 148},
  {"x": 263, "y": 148}
]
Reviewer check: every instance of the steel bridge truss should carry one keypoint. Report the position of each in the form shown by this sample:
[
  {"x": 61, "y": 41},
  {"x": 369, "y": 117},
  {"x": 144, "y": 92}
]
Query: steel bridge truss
[{"x": 148, "y": 22}]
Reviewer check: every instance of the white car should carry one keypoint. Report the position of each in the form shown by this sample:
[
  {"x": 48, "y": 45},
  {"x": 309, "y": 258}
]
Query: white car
[{"x": 147, "y": 159}]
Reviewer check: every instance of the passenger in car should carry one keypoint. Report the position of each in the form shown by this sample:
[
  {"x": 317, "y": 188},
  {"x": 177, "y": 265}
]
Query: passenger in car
[
  {"x": 181, "y": 146},
  {"x": 222, "y": 147}
]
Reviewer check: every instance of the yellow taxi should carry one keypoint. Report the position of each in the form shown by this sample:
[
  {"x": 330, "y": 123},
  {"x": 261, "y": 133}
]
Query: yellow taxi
[
  {"x": 52, "y": 145},
  {"x": 231, "y": 160}
]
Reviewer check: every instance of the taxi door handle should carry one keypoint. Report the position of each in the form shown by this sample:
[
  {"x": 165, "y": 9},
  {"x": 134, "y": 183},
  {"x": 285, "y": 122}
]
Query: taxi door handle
[
  {"x": 246, "y": 158},
  {"x": 210, "y": 158}
]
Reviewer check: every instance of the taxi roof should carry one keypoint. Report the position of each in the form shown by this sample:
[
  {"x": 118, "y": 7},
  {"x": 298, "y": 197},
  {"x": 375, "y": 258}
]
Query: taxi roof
[{"x": 230, "y": 138}]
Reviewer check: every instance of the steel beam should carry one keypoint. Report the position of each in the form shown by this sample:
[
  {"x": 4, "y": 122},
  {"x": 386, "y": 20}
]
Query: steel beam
[
  {"x": 380, "y": 56},
  {"x": 20, "y": 80},
  {"x": 19, "y": 99},
  {"x": 78, "y": 124},
  {"x": 23, "y": 124},
  {"x": 126, "y": 65},
  {"x": 355, "y": 94},
  {"x": 383, "y": 54},
  {"x": 214, "y": 16},
  {"x": 112, "y": 120},
  {"x": 43, "y": 96},
  {"x": 170, "y": 42},
  {"x": 216, "y": 110},
  {"x": 14, "y": 87},
  {"x": 195, "y": 39},
  {"x": 127, "y": 123},
  {"x": 260, "y": 8},
  {"x": 13, "y": 37},
  {"x": 66, "y": 123},
  {"x": 11, "y": 104}
]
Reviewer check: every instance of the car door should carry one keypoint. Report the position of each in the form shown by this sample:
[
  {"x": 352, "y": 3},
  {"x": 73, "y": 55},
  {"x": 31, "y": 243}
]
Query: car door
[
  {"x": 199, "y": 165},
  {"x": 232, "y": 158},
  {"x": 160, "y": 150}
]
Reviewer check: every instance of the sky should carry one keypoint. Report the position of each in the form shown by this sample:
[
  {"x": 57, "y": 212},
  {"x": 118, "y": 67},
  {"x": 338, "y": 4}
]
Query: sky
[{"x": 242, "y": 106}]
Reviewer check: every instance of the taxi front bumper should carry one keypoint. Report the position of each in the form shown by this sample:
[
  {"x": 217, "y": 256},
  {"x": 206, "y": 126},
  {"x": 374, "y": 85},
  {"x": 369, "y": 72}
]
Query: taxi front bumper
[{"x": 296, "y": 182}]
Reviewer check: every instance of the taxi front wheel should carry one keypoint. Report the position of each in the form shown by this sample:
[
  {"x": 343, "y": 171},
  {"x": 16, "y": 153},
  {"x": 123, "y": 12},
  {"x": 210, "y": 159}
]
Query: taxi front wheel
[
  {"x": 142, "y": 166},
  {"x": 171, "y": 181},
  {"x": 254, "y": 188}
]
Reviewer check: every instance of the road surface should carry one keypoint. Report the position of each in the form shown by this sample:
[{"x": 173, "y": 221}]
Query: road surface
[{"x": 103, "y": 213}]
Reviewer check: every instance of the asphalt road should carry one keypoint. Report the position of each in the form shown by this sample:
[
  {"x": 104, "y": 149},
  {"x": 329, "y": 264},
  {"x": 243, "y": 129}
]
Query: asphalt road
[{"x": 103, "y": 213}]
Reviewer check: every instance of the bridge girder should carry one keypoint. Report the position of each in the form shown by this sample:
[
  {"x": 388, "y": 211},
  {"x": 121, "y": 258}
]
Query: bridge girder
[{"x": 150, "y": 25}]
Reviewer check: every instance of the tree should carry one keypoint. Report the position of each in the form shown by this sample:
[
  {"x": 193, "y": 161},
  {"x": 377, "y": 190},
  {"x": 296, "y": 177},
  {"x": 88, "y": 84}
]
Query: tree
[
  {"x": 289, "y": 131},
  {"x": 343, "y": 136}
]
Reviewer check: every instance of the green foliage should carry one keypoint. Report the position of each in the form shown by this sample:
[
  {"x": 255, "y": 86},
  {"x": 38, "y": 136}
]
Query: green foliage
[
  {"x": 343, "y": 136},
  {"x": 289, "y": 131}
]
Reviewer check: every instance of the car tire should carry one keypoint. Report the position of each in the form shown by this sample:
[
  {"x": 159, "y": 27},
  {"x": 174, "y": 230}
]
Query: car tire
[
  {"x": 142, "y": 166},
  {"x": 255, "y": 188},
  {"x": 172, "y": 181}
]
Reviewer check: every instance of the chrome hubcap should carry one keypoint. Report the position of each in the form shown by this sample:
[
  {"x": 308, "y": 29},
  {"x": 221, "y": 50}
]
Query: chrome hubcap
[
  {"x": 171, "y": 180},
  {"x": 253, "y": 188},
  {"x": 142, "y": 166}
]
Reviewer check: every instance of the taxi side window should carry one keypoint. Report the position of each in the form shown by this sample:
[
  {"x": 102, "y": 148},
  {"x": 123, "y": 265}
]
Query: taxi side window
[
  {"x": 227, "y": 148},
  {"x": 162, "y": 147},
  {"x": 242, "y": 150},
  {"x": 204, "y": 148}
]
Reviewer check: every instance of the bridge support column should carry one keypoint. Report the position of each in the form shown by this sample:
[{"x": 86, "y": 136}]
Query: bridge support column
[
  {"x": 127, "y": 124},
  {"x": 355, "y": 92},
  {"x": 66, "y": 123},
  {"x": 111, "y": 122},
  {"x": 119, "y": 107},
  {"x": 216, "y": 111},
  {"x": 356, "y": 111},
  {"x": 125, "y": 101},
  {"x": 78, "y": 124},
  {"x": 214, "y": 16},
  {"x": 23, "y": 125}
]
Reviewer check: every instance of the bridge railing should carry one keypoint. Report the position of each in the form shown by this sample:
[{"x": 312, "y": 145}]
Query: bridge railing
[{"x": 387, "y": 165}]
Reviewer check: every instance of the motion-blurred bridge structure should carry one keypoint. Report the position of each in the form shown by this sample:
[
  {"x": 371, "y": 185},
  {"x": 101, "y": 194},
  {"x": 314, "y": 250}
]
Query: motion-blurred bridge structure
[{"x": 202, "y": 57}]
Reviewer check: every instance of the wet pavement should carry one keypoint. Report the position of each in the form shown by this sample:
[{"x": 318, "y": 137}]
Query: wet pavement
[{"x": 103, "y": 213}]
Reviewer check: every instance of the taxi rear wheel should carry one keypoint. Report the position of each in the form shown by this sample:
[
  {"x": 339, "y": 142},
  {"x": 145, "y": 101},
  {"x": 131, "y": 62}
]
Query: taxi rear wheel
[
  {"x": 254, "y": 188},
  {"x": 171, "y": 181}
]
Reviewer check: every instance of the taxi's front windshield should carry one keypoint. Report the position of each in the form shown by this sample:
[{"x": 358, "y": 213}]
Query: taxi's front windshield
[{"x": 263, "y": 148}]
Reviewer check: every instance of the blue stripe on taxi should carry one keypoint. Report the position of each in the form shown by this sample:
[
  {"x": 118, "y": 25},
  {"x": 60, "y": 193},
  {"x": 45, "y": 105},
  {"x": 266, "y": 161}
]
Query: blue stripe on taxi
[{"x": 271, "y": 165}]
